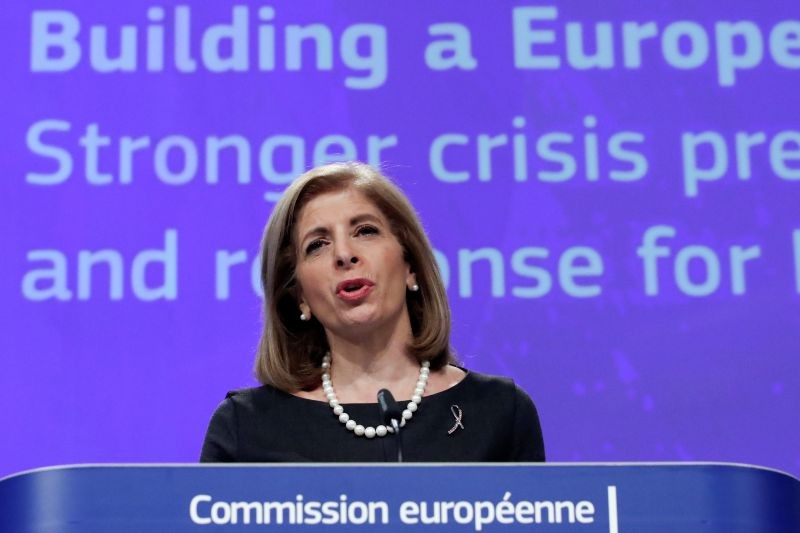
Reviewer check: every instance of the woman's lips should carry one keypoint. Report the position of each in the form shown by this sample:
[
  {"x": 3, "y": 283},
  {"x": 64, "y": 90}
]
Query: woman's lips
[
  {"x": 356, "y": 295},
  {"x": 353, "y": 290}
]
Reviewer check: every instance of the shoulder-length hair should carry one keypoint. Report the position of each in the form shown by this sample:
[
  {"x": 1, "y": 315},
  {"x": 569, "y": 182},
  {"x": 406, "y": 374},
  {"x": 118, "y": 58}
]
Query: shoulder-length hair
[{"x": 290, "y": 351}]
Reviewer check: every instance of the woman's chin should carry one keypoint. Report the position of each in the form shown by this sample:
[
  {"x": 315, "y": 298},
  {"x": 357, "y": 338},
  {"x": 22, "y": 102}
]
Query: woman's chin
[{"x": 361, "y": 319}]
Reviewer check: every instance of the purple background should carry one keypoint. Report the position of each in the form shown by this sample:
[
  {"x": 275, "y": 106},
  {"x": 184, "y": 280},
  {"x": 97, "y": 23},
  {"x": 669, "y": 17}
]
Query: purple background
[{"x": 618, "y": 377}]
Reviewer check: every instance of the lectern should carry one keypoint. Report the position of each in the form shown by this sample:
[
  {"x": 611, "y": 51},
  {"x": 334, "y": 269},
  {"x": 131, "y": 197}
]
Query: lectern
[{"x": 613, "y": 498}]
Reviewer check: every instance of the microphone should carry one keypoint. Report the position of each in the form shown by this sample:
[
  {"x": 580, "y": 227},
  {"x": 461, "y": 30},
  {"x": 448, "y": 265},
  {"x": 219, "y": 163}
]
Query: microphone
[
  {"x": 388, "y": 407},
  {"x": 391, "y": 414}
]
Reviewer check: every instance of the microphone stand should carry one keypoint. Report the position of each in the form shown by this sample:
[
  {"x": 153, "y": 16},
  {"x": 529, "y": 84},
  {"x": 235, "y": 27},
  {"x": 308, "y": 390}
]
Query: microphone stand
[{"x": 399, "y": 440}]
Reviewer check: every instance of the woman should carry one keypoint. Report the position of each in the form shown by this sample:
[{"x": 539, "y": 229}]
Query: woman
[{"x": 354, "y": 303}]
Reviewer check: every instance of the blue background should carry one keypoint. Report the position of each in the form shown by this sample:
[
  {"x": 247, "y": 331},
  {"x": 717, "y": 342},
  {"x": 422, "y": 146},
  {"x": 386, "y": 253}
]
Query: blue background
[{"x": 619, "y": 376}]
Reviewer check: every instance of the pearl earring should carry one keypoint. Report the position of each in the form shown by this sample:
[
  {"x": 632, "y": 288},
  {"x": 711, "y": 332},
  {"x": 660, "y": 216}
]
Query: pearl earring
[
  {"x": 303, "y": 317},
  {"x": 414, "y": 288}
]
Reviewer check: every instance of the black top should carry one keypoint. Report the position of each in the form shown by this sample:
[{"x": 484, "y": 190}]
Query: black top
[{"x": 265, "y": 424}]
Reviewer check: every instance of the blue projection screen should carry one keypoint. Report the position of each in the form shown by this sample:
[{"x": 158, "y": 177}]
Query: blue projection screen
[{"x": 612, "y": 189}]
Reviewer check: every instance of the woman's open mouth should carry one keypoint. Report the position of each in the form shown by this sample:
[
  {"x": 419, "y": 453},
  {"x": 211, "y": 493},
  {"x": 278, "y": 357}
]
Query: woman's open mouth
[{"x": 353, "y": 290}]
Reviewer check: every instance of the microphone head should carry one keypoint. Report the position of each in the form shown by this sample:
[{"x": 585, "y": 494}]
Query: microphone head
[{"x": 388, "y": 407}]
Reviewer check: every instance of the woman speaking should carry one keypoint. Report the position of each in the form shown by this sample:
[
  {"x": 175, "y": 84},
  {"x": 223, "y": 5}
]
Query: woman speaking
[{"x": 354, "y": 304}]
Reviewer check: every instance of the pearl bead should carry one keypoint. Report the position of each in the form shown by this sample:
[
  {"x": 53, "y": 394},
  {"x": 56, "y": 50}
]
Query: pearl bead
[
  {"x": 369, "y": 432},
  {"x": 424, "y": 371},
  {"x": 407, "y": 414},
  {"x": 416, "y": 398},
  {"x": 333, "y": 403},
  {"x": 419, "y": 391},
  {"x": 389, "y": 429},
  {"x": 326, "y": 377},
  {"x": 420, "y": 384},
  {"x": 351, "y": 425},
  {"x": 343, "y": 418},
  {"x": 403, "y": 423},
  {"x": 359, "y": 430},
  {"x": 380, "y": 431},
  {"x": 330, "y": 396},
  {"x": 426, "y": 364},
  {"x": 411, "y": 406},
  {"x": 338, "y": 410},
  {"x": 326, "y": 364}
]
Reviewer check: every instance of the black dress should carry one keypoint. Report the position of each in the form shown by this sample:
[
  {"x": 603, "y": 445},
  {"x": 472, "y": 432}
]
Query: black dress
[{"x": 265, "y": 424}]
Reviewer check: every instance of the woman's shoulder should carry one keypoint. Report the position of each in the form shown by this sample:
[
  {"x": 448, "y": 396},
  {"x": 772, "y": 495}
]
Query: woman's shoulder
[
  {"x": 253, "y": 399},
  {"x": 242, "y": 414},
  {"x": 250, "y": 393},
  {"x": 489, "y": 381},
  {"x": 501, "y": 397},
  {"x": 494, "y": 388}
]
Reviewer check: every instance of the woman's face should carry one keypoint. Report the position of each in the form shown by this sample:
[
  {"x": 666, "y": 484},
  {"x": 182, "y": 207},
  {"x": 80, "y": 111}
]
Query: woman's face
[{"x": 350, "y": 267}]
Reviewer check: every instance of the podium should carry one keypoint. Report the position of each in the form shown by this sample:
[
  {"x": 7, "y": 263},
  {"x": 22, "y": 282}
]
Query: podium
[{"x": 613, "y": 498}]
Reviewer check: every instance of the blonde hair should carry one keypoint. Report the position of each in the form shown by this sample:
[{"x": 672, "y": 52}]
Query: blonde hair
[{"x": 290, "y": 351}]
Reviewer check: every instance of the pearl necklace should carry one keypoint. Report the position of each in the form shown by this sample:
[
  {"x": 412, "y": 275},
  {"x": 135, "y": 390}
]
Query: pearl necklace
[{"x": 355, "y": 427}]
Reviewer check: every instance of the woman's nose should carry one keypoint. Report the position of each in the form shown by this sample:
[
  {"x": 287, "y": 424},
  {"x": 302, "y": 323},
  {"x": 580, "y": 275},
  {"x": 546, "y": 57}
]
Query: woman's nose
[
  {"x": 345, "y": 256},
  {"x": 344, "y": 262}
]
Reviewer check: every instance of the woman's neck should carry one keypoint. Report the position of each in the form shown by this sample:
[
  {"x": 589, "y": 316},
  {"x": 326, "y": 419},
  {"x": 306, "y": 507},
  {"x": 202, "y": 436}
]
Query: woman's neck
[{"x": 362, "y": 365}]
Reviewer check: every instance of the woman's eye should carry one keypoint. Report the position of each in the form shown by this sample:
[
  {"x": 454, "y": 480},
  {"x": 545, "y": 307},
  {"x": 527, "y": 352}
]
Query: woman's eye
[
  {"x": 367, "y": 230},
  {"x": 313, "y": 246}
]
